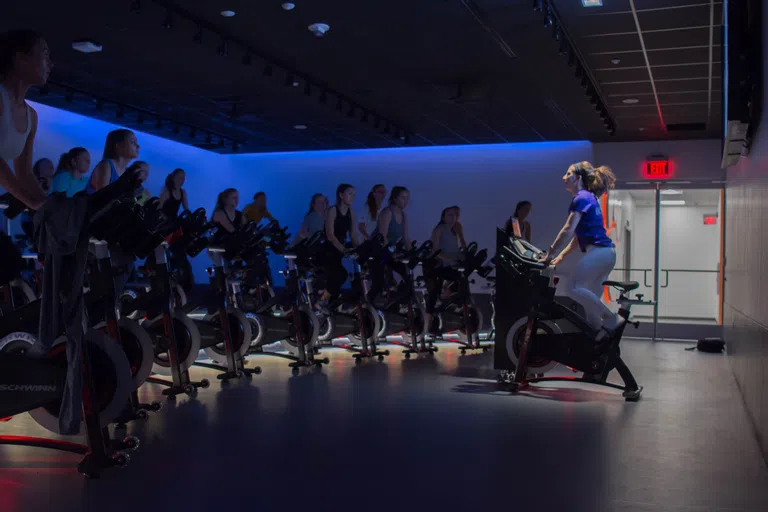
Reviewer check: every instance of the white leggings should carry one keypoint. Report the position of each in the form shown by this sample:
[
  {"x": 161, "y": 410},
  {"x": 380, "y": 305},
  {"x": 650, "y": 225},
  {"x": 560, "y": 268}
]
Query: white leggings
[{"x": 586, "y": 284}]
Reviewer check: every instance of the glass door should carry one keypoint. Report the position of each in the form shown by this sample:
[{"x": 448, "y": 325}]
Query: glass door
[{"x": 669, "y": 239}]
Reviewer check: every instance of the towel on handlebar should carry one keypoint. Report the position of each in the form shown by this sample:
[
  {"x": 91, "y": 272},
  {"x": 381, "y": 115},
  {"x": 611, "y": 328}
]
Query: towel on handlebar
[{"x": 60, "y": 229}]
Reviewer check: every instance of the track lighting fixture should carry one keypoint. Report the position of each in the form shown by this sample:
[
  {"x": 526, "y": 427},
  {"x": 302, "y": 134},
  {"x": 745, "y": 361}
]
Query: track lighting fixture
[
  {"x": 159, "y": 123},
  {"x": 221, "y": 142},
  {"x": 140, "y": 118},
  {"x": 176, "y": 129},
  {"x": 235, "y": 146},
  {"x": 99, "y": 105},
  {"x": 571, "y": 57},
  {"x": 209, "y": 139},
  {"x": 69, "y": 96},
  {"x": 168, "y": 22},
  {"x": 351, "y": 111},
  {"x": 364, "y": 117},
  {"x": 584, "y": 80},
  {"x": 120, "y": 112},
  {"x": 563, "y": 47},
  {"x": 548, "y": 18},
  {"x": 290, "y": 80},
  {"x": 198, "y": 35},
  {"x": 537, "y": 5},
  {"x": 136, "y": 6},
  {"x": 192, "y": 133},
  {"x": 308, "y": 89},
  {"x": 323, "y": 98},
  {"x": 386, "y": 127}
]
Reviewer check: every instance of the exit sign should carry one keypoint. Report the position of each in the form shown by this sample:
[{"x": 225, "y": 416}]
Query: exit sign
[
  {"x": 710, "y": 219},
  {"x": 657, "y": 169}
]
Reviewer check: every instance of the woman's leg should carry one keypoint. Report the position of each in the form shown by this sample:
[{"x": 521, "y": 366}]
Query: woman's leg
[{"x": 587, "y": 285}]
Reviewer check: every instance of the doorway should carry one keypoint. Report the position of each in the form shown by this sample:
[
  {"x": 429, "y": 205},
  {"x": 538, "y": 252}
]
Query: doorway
[{"x": 669, "y": 240}]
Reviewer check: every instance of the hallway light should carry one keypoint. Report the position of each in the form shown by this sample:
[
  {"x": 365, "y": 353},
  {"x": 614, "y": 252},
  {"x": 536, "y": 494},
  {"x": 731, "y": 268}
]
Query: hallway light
[
  {"x": 670, "y": 192},
  {"x": 672, "y": 202}
]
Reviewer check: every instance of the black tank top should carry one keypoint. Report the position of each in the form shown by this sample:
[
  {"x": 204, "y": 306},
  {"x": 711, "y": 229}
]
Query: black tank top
[
  {"x": 171, "y": 206},
  {"x": 342, "y": 225},
  {"x": 221, "y": 231}
]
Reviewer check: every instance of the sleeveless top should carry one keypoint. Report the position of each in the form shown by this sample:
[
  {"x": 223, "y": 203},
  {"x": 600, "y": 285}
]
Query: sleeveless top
[
  {"x": 171, "y": 206},
  {"x": 113, "y": 177},
  {"x": 342, "y": 225},
  {"x": 314, "y": 222},
  {"x": 370, "y": 222},
  {"x": 235, "y": 222},
  {"x": 395, "y": 231},
  {"x": 12, "y": 141},
  {"x": 448, "y": 245}
]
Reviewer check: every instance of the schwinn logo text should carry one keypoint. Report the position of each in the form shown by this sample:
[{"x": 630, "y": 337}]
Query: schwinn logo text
[{"x": 27, "y": 387}]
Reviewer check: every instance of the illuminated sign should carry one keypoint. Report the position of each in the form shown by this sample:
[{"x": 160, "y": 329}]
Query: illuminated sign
[
  {"x": 656, "y": 169},
  {"x": 710, "y": 220}
]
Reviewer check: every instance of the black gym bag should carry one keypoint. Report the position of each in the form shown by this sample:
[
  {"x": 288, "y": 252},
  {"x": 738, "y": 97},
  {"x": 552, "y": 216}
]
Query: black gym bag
[{"x": 711, "y": 345}]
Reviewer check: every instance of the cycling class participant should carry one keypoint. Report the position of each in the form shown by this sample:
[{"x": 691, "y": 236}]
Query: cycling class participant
[
  {"x": 446, "y": 239},
  {"x": 393, "y": 225},
  {"x": 43, "y": 171},
  {"x": 173, "y": 196},
  {"x": 121, "y": 147},
  {"x": 585, "y": 221},
  {"x": 257, "y": 210},
  {"x": 70, "y": 177},
  {"x": 24, "y": 62},
  {"x": 314, "y": 220},
  {"x": 522, "y": 210},
  {"x": 374, "y": 203},
  {"x": 339, "y": 232},
  {"x": 225, "y": 215}
]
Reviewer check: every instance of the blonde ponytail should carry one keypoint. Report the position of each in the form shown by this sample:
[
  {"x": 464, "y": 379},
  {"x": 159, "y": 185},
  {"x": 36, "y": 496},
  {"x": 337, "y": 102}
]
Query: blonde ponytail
[{"x": 601, "y": 180}]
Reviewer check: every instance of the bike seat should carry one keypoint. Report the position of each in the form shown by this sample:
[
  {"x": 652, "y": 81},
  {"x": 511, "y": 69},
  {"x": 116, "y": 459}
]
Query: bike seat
[{"x": 625, "y": 286}]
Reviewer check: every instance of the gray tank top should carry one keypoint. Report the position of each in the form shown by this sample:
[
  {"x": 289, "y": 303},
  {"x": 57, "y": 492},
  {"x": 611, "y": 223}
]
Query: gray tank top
[
  {"x": 395, "y": 231},
  {"x": 449, "y": 245},
  {"x": 314, "y": 222}
]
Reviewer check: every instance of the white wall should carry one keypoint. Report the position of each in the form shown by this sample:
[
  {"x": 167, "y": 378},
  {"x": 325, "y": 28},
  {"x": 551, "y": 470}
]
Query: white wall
[
  {"x": 689, "y": 159},
  {"x": 688, "y": 244}
]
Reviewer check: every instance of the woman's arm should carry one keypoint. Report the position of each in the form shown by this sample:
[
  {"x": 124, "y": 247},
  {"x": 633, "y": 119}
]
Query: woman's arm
[
  {"x": 571, "y": 247},
  {"x": 221, "y": 218},
  {"x": 163, "y": 197},
  {"x": 184, "y": 201},
  {"x": 352, "y": 232},
  {"x": 528, "y": 232},
  {"x": 437, "y": 233},
  {"x": 329, "y": 234},
  {"x": 101, "y": 175},
  {"x": 565, "y": 235},
  {"x": 406, "y": 237},
  {"x": 382, "y": 225},
  {"x": 459, "y": 230}
]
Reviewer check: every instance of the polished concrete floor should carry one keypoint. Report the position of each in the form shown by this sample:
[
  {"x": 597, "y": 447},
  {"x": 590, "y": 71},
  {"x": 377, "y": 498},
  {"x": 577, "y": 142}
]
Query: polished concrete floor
[{"x": 423, "y": 434}]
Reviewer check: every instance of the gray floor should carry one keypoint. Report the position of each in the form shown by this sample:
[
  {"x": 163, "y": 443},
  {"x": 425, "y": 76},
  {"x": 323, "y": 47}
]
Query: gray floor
[{"x": 424, "y": 434}]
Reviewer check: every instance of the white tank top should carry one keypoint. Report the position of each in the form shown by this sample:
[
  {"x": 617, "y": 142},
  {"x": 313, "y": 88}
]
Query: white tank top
[{"x": 12, "y": 141}]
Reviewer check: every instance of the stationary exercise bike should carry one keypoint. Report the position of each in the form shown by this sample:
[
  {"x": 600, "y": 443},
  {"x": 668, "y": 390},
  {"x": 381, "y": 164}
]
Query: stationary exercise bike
[
  {"x": 538, "y": 329},
  {"x": 458, "y": 314},
  {"x": 350, "y": 315}
]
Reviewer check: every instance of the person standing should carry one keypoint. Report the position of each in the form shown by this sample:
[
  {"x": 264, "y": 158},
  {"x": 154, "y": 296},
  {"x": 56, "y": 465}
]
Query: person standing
[{"x": 70, "y": 177}]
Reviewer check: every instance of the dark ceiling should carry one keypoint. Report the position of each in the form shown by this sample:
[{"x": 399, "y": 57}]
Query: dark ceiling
[{"x": 388, "y": 73}]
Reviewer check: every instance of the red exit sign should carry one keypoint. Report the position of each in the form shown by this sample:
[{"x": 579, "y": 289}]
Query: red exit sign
[{"x": 657, "y": 169}]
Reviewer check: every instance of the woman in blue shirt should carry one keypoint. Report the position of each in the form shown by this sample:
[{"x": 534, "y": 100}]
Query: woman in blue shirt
[
  {"x": 584, "y": 230},
  {"x": 70, "y": 176}
]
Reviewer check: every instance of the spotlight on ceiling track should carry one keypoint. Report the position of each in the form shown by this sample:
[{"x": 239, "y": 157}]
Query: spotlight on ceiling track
[
  {"x": 267, "y": 70},
  {"x": 537, "y": 5},
  {"x": 209, "y": 139},
  {"x": 308, "y": 89},
  {"x": 221, "y": 142},
  {"x": 168, "y": 22},
  {"x": 69, "y": 96},
  {"x": 235, "y": 146},
  {"x": 198, "y": 35},
  {"x": 364, "y": 117},
  {"x": 159, "y": 123},
  {"x": 385, "y": 128},
  {"x": 571, "y": 57},
  {"x": 192, "y": 133},
  {"x": 136, "y": 6},
  {"x": 99, "y": 105},
  {"x": 140, "y": 118},
  {"x": 120, "y": 112},
  {"x": 247, "y": 60},
  {"x": 584, "y": 80},
  {"x": 223, "y": 48},
  {"x": 176, "y": 129},
  {"x": 548, "y": 18},
  {"x": 563, "y": 48},
  {"x": 290, "y": 80},
  {"x": 351, "y": 111}
]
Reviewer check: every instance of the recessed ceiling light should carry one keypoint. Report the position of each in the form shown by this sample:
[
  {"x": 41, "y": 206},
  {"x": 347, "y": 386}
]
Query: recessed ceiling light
[
  {"x": 670, "y": 192},
  {"x": 87, "y": 46},
  {"x": 319, "y": 29},
  {"x": 288, "y": 6},
  {"x": 592, "y": 3},
  {"x": 641, "y": 129},
  {"x": 227, "y": 14},
  {"x": 673, "y": 202},
  {"x": 615, "y": 61},
  {"x": 300, "y": 127},
  {"x": 630, "y": 101}
]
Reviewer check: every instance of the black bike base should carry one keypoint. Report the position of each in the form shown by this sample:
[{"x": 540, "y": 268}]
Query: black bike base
[
  {"x": 227, "y": 375},
  {"x": 360, "y": 353},
  {"x": 419, "y": 350},
  {"x": 173, "y": 390},
  {"x": 630, "y": 395},
  {"x": 317, "y": 363}
]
